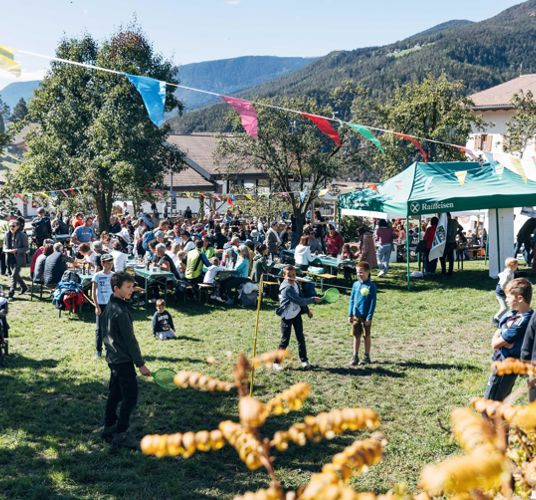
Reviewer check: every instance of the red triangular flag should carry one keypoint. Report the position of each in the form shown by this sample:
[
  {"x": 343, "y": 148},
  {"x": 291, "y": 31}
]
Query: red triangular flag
[
  {"x": 469, "y": 153},
  {"x": 73, "y": 191},
  {"x": 415, "y": 142},
  {"x": 20, "y": 197},
  {"x": 325, "y": 127},
  {"x": 229, "y": 200},
  {"x": 247, "y": 113}
]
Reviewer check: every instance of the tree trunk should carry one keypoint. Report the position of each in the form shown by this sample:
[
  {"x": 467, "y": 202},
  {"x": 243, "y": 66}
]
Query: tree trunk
[
  {"x": 299, "y": 222},
  {"x": 103, "y": 212}
]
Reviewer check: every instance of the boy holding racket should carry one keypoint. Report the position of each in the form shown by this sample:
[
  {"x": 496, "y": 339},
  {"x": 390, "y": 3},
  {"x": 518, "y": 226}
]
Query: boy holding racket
[{"x": 361, "y": 310}]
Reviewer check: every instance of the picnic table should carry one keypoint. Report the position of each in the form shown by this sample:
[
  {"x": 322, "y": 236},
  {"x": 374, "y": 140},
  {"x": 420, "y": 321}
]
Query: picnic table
[
  {"x": 333, "y": 263},
  {"x": 153, "y": 276}
]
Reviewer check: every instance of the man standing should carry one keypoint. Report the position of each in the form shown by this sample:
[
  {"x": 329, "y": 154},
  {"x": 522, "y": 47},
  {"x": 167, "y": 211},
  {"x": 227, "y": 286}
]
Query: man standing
[
  {"x": 122, "y": 354},
  {"x": 450, "y": 245},
  {"x": 42, "y": 228}
]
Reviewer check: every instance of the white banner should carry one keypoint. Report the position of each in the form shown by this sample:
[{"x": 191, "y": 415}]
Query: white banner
[{"x": 440, "y": 238}]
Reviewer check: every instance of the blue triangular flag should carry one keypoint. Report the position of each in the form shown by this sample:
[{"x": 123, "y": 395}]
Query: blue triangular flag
[
  {"x": 303, "y": 194},
  {"x": 153, "y": 93}
]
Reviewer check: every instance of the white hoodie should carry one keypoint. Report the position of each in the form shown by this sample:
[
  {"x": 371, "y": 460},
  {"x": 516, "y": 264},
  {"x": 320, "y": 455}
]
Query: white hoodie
[{"x": 302, "y": 255}]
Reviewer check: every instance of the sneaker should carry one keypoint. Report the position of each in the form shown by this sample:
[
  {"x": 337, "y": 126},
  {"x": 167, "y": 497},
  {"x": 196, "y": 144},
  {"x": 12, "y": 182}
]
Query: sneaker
[
  {"x": 98, "y": 355},
  {"x": 108, "y": 433},
  {"x": 277, "y": 367},
  {"x": 365, "y": 360},
  {"x": 380, "y": 274},
  {"x": 306, "y": 365},
  {"x": 162, "y": 336},
  {"x": 355, "y": 360},
  {"x": 125, "y": 440},
  {"x": 23, "y": 290}
]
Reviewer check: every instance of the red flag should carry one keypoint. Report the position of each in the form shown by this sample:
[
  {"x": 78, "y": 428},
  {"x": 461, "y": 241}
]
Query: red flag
[
  {"x": 20, "y": 197},
  {"x": 373, "y": 186},
  {"x": 73, "y": 191},
  {"x": 469, "y": 153},
  {"x": 325, "y": 127},
  {"x": 415, "y": 142},
  {"x": 247, "y": 113},
  {"x": 229, "y": 201}
]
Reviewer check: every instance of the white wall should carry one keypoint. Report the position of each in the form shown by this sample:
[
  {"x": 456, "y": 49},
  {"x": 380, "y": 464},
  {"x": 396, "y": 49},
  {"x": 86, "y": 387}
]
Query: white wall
[{"x": 497, "y": 252}]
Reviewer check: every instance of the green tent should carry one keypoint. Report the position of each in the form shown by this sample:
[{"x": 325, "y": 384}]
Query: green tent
[{"x": 430, "y": 188}]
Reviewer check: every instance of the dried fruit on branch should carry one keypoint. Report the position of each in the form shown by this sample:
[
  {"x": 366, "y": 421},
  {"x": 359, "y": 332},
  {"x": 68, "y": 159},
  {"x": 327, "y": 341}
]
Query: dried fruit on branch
[
  {"x": 249, "y": 448},
  {"x": 472, "y": 431},
  {"x": 184, "y": 445},
  {"x": 326, "y": 426},
  {"x": 252, "y": 412},
  {"x": 513, "y": 365},
  {"x": 195, "y": 380},
  {"x": 493, "y": 408},
  {"x": 274, "y": 492},
  {"x": 482, "y": 470},
  {"x": 268, "y": 358},
  {"x": 290, "y": 400}
]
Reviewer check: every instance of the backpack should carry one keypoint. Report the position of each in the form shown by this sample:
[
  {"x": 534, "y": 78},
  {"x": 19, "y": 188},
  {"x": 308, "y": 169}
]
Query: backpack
[
  {"x": 70, "y": 275},
  {"x": 40, "y": 228}
]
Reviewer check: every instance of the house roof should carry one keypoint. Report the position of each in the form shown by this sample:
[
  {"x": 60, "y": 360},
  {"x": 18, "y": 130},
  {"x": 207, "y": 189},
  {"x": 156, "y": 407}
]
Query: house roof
[
  {"x": 199, "y": 149},
  {"x": 188, "y": 180},
  {"x": 500, "y": 96}
]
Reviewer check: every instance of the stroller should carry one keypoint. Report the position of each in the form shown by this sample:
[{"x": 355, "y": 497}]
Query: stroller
[{"x": 4, "y": 329}]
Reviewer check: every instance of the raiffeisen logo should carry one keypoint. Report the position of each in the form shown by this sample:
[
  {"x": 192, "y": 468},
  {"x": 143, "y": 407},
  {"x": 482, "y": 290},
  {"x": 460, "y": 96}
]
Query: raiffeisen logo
[{"x": 416, "y": 207}]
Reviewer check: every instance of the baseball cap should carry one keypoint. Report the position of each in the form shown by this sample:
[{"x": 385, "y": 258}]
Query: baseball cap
[{"x": 105, "y": 257}]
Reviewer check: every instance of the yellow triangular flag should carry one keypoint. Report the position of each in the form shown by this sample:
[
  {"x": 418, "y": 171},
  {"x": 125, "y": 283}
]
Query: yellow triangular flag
[
  {"x": 461, "y": 174},
  {"x": 516, "y": 163},
  {"x": 249, "y": 197},
  {"x": 7, "y": 61},
  {"x": 323, "y": 192}
]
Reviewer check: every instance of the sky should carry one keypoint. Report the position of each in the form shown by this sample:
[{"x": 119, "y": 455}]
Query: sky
[{"x": 187, "y": 31}]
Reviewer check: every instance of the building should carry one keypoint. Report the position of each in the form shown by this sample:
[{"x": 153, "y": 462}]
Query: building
[{"x": 494, "y": 106}]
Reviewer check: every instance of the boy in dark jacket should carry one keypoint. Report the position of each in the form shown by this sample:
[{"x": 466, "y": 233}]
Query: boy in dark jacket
[
  {"x": 509, "y": 340},
  {"x": 360, "y": 311},
  {"x": 122, "y": 353},
  {"x": 291, "y": 307},
  {"x": 162, "y": 323}
]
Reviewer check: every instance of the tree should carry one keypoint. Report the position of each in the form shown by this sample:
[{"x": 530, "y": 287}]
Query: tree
[
  {"x": 4, "y": 113},
  {"x": 298, "y": 158},
  {"x": 93, "y": 130},
  {"x": 522, "y": 127},
  {"x": 19, "y": 111},
  {"x": 435, "y": 109}
]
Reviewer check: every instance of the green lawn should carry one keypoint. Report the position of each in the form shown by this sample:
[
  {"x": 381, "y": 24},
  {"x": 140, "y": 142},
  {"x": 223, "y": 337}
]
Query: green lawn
[{"x": 431, "y": 350}]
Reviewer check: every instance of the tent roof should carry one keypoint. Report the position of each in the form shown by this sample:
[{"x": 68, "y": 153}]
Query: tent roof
[{"x": 425, "y": 188}]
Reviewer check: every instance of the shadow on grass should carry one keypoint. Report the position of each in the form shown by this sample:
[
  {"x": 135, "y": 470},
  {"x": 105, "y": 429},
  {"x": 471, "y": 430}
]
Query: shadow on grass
[
  {"x": 434, "y": 366},
  {"x": 171, "y": 359},
  {"x": 360, "y": 371}
]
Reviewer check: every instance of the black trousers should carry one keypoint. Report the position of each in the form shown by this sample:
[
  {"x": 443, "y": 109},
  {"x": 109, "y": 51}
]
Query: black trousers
[
  {"x": 98, "y": 328},
  {"x": 3, "y": 263},
  {"x": 123, "y": 388},
  {"x": 286, "y": 330},
  {"x": 500, "y": 386},
  {"x": 448, "y": 255}
]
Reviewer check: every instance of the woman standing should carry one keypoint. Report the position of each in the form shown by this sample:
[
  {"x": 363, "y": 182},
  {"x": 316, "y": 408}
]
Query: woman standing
[
  {"x": 429, "y": 235},
  {"x": 16, "y": 248},
  {"x": 384, "y": 239},
  {"x": 366, "y": 249}
]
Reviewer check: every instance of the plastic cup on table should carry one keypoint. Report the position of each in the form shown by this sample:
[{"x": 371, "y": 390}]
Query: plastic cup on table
[
  {"x": 331, "y": 295},
  {"x": 164, "y": 378}
]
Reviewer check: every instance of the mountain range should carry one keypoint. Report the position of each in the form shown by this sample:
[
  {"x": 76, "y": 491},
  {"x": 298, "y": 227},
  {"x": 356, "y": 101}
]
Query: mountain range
[
  {"x": 481, "y": 54},
  {"x": 224, "y": 76}
]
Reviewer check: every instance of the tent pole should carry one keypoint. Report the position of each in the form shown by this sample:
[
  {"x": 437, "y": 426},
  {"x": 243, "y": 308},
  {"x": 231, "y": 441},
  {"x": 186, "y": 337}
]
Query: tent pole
[
  {"x": 407, "y": 251},
  {"x": 498, "y": 240}
]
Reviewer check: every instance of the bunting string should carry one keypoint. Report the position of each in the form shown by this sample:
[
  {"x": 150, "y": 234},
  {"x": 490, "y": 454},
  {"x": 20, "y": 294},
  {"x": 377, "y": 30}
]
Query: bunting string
[{"x": 153, "y": 95}]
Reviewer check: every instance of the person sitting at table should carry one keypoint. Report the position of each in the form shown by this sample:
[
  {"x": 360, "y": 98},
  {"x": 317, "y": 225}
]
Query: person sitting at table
[
  {"x": 260, "y": 263},
  {"x": 90, "y": 258},
  {"x": 55, "y": 266},
  {"x": 334, "y": 241},
  {"x": 164, "y": 261},
  {"x": 302, "y": 254},
  {"x": 105, "y": 240},
  {"x": 36, "y": 255},
  {"x": 230, "y": 252},
  {"x": 239, "y": 276},
  {"x": 315, "y": 245},
  {"x": 208, "y": 249},
  {"x": 348, "y": 253},
  {"x": 194, "y": 263},
  {"x": 213, "y": 270},
  {"x": 120, "y": 258},
  {"x": 84, "y": 233},
  {"x": 39, "y": 264}
]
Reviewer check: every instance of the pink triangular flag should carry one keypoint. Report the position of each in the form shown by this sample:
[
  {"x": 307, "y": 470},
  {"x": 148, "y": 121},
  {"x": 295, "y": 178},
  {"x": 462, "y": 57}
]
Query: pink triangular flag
[
  {"x": 325, "y": 127},
  {"x": 247, "y": 113}
]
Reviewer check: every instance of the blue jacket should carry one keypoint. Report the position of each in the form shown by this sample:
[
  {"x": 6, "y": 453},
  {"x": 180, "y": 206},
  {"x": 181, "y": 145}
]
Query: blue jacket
[{"x": 363, "y": 305}]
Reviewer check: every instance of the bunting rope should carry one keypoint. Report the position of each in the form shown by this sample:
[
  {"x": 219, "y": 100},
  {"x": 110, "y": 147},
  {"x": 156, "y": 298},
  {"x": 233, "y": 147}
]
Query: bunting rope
[{"x": 243, "y": 107}]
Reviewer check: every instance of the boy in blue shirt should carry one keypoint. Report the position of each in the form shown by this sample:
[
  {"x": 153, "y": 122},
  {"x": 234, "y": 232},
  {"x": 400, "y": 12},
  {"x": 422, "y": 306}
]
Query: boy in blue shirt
[
  {"x": 508, "y": 339},
  {"x": 361, "y": 310}
]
